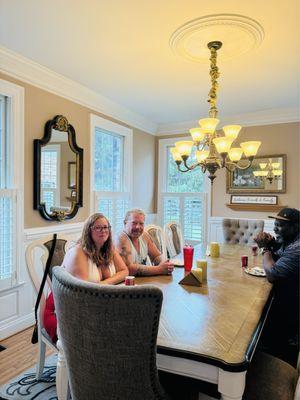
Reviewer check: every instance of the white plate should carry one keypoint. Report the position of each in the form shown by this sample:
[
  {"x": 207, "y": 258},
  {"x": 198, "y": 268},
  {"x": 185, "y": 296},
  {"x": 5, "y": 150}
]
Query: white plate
[
  {"x": 177, "y": 262},
  {"x": 256, "y": 271}
]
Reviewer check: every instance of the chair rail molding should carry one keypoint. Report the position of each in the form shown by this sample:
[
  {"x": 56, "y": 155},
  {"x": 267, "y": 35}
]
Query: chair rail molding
[{"x": 215, "y": 233}]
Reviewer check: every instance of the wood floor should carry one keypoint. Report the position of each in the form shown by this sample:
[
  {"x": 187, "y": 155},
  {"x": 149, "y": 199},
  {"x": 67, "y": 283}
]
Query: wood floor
[{"x": 19, "y": 355}]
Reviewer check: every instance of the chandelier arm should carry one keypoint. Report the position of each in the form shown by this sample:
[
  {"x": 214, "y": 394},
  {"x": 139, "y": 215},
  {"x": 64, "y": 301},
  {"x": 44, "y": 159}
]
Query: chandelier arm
[{"x": 246, "y": 166}]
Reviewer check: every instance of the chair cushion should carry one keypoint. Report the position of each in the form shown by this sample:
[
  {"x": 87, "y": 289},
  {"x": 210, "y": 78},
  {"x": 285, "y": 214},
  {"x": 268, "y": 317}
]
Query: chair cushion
[{"x": 270, "y": 378}]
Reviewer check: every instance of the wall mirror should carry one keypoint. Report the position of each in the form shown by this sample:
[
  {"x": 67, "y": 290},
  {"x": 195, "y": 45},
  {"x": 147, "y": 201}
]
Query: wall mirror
[
  {"x": 58, "y": 171},
  {"x": 267, "y": 174}
]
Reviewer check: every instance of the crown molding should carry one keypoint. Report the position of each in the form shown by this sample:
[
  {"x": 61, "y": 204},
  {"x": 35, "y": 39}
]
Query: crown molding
[
  {"x": 264, "y": 117},
  {"x": 24, "y": 69}
]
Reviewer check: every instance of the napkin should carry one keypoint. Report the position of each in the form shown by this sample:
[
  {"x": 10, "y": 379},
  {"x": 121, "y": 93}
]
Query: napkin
[{"x": 193, "y": 278}]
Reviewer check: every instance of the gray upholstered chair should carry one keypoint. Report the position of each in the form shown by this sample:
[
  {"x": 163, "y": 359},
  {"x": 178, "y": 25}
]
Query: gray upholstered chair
[
  {"x": 241, "y": 231},
  {"x": 158, "y": 238},
  {"x": 108, "y": 335},
  {"x": 270, "y": 378}
]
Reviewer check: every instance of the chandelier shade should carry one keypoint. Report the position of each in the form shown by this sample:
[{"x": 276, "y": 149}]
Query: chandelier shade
[{"x": 213, "y": 150}]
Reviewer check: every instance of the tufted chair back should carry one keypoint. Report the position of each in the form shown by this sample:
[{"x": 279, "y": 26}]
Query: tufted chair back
[
  {"x": 241, "y": 231},
  {"x": 108, "y": 335}
]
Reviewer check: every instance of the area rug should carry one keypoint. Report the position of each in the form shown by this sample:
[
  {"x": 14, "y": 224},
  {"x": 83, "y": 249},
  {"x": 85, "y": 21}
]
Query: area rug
[{"x": 26, "y": 387}]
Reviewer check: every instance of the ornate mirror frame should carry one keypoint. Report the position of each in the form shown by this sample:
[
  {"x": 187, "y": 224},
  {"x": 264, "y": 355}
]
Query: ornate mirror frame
[{"x": 59, "y": 123}]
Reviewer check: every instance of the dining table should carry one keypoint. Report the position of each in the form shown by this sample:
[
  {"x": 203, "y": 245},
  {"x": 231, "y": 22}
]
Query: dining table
[{"x": 209, "y": 332}]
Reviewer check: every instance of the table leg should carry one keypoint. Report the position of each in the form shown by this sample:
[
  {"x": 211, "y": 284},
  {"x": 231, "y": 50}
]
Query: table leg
[
  {"x": 231, "y": 385},
  {"x": 62, "y": 382}
]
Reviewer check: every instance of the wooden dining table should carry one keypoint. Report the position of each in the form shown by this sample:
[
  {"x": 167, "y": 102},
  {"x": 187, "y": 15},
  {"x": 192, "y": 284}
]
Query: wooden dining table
[{"x": 209, "y": 332}]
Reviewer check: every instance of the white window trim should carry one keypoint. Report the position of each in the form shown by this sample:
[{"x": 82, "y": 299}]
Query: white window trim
[
  {"x": 16, "y": 123},
  {"x": 162, "y": 181},
  {"x": 105, "y": 124}
]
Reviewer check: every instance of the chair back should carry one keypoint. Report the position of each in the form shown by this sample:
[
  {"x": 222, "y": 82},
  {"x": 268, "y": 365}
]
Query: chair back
[
  {"x": 241, "y": 231},
  {"x": 36, "y": 256},
  {"x": 270, "y": 378},
  {"x": 108, "y": 334},
  {"x": 174, "y": 238},
  {"x": 158, "y": 238}
]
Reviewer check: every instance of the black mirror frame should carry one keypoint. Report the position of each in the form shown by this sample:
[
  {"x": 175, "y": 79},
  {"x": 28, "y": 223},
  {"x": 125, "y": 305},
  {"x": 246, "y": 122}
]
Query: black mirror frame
[{"x": 60, "y": 123}]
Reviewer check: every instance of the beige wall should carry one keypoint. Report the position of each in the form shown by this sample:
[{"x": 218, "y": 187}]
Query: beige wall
[
  {"x": 276, "y": 139},
  {"x": 40, "y": 106}
]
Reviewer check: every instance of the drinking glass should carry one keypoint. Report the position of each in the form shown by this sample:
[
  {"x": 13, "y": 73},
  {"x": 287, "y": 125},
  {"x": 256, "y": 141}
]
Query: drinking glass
[{"x": 188, "y": 253}]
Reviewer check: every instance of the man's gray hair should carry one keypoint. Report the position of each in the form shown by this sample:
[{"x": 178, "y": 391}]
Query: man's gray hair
[{"x": 133, "y": 211}]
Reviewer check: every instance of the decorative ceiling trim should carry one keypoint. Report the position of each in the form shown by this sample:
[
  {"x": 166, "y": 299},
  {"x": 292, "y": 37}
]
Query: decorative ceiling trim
[
  {"x": 238, "y": 33},
  {"x": 265, "y": 117},
  {"x": 26, "y": 70}
]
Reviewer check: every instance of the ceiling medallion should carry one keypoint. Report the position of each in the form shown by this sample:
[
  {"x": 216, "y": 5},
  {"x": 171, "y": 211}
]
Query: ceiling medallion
[{"x": 239, "y": 35}]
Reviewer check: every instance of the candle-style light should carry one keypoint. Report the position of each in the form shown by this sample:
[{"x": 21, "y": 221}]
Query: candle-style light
[{"x": 213, "y": 150}]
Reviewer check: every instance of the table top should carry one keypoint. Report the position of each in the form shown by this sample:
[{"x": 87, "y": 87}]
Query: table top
[{"x": 219, "y": 322}]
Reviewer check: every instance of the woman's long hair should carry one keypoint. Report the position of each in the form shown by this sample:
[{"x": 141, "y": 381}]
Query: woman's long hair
[{"x": 102, "y": 257}]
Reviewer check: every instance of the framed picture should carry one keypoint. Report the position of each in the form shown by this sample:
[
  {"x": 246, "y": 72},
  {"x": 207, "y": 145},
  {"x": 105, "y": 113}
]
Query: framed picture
[
  {"x": 72, "y": 175},
  {"x": 238, "y": 199},
  {"x": 267, "y": 174}
]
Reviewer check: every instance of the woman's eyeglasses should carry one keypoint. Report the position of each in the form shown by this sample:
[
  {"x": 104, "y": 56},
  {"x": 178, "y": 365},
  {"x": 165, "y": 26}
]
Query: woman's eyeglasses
[{"x": 101, "y": 228}]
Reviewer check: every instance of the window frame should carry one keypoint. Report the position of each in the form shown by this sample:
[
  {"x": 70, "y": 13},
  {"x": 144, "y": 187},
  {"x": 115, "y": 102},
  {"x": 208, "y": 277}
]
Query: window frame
[
  {"x": 15, "y": 122},
  {"x": 162, "y": 186},
  {"x": 127, "y": 134}
]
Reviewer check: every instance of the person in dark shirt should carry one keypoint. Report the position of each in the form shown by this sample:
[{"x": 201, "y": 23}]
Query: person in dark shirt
[{"x": 281, "y": 259}]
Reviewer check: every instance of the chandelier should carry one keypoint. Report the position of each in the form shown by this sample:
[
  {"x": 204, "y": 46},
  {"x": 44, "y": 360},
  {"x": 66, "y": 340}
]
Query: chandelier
[
  {"x": 214, "y": 151},
  {"x": 270, "y": 170}
]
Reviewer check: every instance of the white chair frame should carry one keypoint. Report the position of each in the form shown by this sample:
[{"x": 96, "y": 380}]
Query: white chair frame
[
  {"x": 169, "y": 238},
  {"x": 161, "y": 238},
  {"x": 32, "y": 259}
]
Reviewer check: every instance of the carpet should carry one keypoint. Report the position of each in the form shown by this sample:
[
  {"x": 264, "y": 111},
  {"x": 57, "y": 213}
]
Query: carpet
[{"x": 25, "y": 386}]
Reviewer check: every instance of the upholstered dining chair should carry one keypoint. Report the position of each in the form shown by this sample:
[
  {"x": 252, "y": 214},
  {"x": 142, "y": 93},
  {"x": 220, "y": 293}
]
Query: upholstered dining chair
[
  {"x": 36, "y": 255},
  {"x": 158, "y": 236},
  {"x": 270, "y": 378},
  {"x": 241, "y": 231},
  {"x": 174, "y": 238},
  {"x": 108, "y": 336}
]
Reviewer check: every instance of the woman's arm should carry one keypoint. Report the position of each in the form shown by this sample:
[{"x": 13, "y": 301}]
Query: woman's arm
[
  {"x": 121, "y": 270},
  {"x": 76, "y": 262}
]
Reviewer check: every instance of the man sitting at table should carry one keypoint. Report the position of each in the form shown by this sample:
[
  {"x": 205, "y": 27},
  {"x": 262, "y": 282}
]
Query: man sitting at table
[
  {"x": 281, "y": 259},
  {"x": 137, "y": 248}
]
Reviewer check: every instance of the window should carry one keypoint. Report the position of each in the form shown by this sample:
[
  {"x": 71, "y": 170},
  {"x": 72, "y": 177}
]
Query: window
[
  {"x": 50, "y": 186},
  {"x": 182, "y": 196},
  {"x": 11, "y": 182},
  {"x": 111, "y": 170}
]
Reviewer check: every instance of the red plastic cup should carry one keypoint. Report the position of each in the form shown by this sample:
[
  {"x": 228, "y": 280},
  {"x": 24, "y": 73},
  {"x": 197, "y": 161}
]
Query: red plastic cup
[
  {"x": 254, "y": 249},
  {"x": 244, "y": 261},
  {"x": 188, "y": 253},
  {"x": 129, "y": 281}
]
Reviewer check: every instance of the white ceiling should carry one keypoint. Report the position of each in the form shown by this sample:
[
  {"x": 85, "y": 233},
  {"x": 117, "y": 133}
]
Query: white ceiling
[{"x": 120, "y": 49}]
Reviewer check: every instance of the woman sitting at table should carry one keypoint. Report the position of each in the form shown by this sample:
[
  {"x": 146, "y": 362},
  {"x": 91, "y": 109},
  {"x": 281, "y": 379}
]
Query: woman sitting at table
[{"x": 92, "y": 259}]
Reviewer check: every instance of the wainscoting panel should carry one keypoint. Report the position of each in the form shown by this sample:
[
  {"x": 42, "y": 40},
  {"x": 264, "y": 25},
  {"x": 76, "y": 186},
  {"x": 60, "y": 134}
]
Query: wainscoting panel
[{"x": 8, "y": 306}]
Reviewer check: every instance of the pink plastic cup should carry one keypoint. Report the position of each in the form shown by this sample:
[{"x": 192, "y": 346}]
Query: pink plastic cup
[{"x": 188, "y": 253}]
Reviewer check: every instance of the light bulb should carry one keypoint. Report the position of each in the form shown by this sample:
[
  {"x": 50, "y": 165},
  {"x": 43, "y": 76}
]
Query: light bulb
[
  {"x": 184, "y": 147},
  {"x": 208, "y": 125},
  {"x": 250, "y": 148}
]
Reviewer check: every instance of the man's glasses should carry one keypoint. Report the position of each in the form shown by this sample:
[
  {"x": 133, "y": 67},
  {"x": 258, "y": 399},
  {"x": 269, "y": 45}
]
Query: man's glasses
[{"x": 101, "y": 228}]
